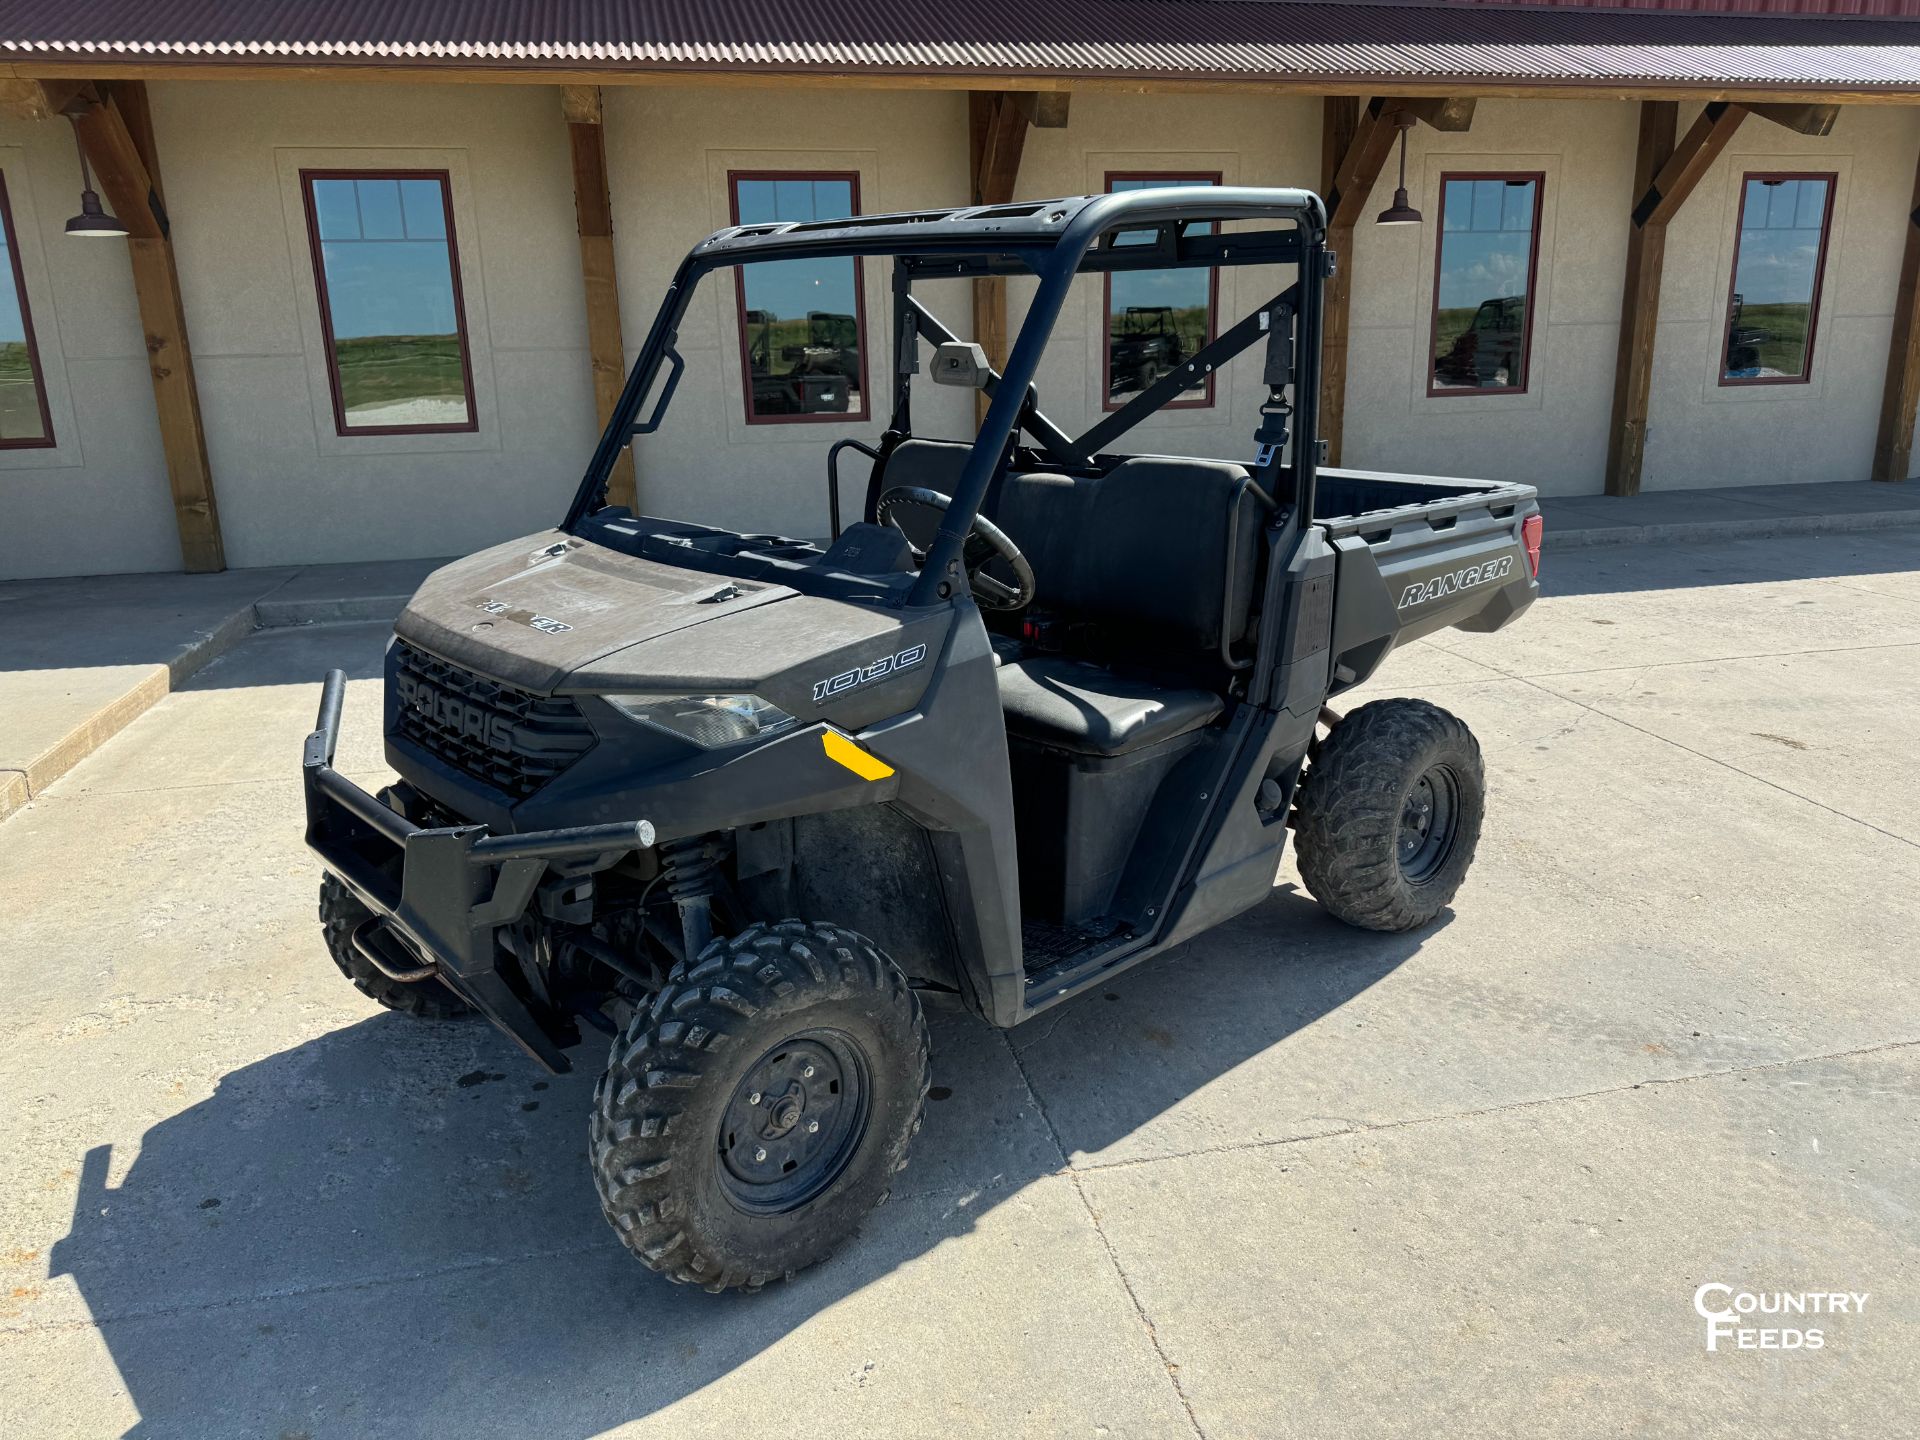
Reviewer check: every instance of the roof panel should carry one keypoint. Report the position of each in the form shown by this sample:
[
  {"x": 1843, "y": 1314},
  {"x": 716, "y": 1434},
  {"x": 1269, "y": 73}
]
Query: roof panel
[{"x": 1197, "y": 39}]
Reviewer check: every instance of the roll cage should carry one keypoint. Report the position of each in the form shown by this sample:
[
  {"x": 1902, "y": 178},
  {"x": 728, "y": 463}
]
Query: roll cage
[{"x": 1052, "y": 241}]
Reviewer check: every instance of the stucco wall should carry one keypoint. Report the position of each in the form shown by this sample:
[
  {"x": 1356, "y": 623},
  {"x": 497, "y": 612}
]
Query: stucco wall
[
  {"x": 98, "y": 502},
  {"x": 1700, "y": 432},
  {"x": 1703, "y": 433},
  {"x": 293, "y": 491},
  {"x": 669, "y": 152}
]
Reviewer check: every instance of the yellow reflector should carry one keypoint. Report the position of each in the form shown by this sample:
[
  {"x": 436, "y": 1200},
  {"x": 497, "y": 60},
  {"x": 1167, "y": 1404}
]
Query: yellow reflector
[{"x": 843, "y": 751}]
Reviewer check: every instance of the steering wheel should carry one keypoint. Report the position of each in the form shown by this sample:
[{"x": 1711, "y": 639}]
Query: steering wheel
[{"x": 985, "y": 541}]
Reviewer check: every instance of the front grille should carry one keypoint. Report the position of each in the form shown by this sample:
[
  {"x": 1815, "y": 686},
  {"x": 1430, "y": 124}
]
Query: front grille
[{"x": 510, "y": 739}]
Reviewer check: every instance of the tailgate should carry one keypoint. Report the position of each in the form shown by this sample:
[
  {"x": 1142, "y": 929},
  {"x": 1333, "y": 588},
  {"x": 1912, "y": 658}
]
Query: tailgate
[{"x": 1459, "y": 561}]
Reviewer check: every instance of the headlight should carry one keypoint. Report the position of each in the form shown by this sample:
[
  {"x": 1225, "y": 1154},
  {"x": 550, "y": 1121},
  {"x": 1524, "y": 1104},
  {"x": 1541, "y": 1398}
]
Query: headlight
[{"x": 709, "y": 721}]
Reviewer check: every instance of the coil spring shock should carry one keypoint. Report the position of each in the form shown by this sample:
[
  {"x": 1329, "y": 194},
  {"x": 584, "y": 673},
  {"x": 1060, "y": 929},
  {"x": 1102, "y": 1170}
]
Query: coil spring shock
[{"x": 692, "y": 870}]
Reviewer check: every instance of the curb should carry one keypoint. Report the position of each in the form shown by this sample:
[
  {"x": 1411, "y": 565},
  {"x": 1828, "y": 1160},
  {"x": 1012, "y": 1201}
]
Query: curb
[
  {"x": 18, "y": 787},
  {"x": 1754, "y": 528}
]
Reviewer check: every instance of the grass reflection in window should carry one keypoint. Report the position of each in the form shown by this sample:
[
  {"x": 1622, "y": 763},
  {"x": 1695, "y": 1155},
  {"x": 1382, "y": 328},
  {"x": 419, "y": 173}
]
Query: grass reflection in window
[
  {"x": 1488, "y": 252},
  {"x": 1779, "y": 257},
  {"x": 388, "y": 277}
]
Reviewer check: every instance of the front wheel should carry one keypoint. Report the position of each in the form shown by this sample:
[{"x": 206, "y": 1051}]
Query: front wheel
[
  {"x": 754, "y": 1114},
  {"x": 1389, "y": 814}
]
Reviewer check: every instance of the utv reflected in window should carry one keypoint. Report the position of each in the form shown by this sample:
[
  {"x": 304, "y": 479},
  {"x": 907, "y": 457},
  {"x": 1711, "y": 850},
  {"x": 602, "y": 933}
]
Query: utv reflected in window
[
  {"x": 794, "y": 379},
  {"x": 1486, "y": 355},
  {"x": 1485, "y": 261}
]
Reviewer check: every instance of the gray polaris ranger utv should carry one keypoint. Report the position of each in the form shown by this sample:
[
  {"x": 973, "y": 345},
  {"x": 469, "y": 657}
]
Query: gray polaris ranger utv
[{"x": 1046, "y": 709}]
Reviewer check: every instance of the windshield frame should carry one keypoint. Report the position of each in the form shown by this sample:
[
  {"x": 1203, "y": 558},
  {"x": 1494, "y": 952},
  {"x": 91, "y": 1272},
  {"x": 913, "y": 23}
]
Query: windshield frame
[{"x": 1052, "y": 241}]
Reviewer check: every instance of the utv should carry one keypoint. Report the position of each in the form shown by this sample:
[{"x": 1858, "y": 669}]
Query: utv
[
  {"x": 1044, "y": 710},
  {"x": 1142, "y": 345}
]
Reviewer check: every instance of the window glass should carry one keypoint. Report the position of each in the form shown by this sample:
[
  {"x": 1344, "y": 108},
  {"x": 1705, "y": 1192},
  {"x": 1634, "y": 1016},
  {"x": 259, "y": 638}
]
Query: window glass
[
  {"x": 1157, "y": 319},
  {"x": 389, "y": 286},
  {"x": 23, "y": 395},
  {"x": 1483, "y": 282},
  {"x": 802, "y": 332},
  {"x": 1776, "y": 277}
]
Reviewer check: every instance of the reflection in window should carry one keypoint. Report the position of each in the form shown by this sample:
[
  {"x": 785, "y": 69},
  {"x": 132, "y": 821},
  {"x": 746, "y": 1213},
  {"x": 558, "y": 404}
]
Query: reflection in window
[
  {"x": 1157, "y": 319},
  {"x": 1483, "y": 284},
  {"x": 802, "y": 324},
  {"x": 389, "y": 284},
  {"x": 23, "y": 394},
  {"x": 1776, "y": 277}
]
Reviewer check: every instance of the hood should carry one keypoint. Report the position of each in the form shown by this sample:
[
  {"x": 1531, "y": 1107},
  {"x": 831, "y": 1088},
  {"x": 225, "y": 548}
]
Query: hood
[{"x": 533, "y": 611}]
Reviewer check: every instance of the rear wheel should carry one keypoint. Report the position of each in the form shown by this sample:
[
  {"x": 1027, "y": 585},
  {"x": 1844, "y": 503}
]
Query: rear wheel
[
  {"x": 340, "y": 916},
  {"x": 757, "y": 1110},
  {"x": 1389, "y": 814}
]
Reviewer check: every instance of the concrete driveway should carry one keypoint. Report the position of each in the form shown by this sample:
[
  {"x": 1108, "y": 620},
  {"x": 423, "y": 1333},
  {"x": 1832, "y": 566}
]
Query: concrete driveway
[{"x": 1291, "y": 1180}]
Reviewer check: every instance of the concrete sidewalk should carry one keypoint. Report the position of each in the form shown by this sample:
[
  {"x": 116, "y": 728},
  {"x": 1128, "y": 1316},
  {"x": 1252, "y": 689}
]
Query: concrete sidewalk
[
  {"x": 81, "y": 658},
  {"x": 1738, "y": 510}
]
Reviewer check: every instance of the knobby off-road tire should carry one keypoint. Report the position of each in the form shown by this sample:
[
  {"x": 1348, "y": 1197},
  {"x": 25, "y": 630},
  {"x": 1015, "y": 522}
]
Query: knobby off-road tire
[
  {"x": 340, "y": 913},
  {"x": 709, "y": 1091},
  {"x": 1361, "y": 846}
]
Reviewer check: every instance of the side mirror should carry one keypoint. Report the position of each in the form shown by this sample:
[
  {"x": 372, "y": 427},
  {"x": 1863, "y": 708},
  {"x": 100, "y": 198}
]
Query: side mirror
[{"x": 962, "y": 363}]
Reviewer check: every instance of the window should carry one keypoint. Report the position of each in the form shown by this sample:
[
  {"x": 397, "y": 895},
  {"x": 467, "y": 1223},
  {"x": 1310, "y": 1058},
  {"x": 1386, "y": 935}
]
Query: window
[
  {"x": 803, "y": 323},
  {"x": 1483, "y": 283},
  {"x": 388, "y": 279},
  {"x": 1779, "y": 253},
  {"x": 24, "y": 423},
  {"x": 1157, "y": 319}
]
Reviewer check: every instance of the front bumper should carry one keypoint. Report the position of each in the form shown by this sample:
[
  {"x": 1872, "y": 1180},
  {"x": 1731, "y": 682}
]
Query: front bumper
[{"x": 440, "y": 896}]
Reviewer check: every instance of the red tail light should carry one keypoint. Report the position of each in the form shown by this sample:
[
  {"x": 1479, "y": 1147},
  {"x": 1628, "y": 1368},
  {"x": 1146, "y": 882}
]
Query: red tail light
[{"x": 1530, "y": 531}]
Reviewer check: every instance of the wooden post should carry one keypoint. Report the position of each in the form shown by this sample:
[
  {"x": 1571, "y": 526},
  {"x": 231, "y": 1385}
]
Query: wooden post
[
  {"x": 1340, "y": 121},
  {"x": 121, "y": 173},
  {"x": 1893, "y": 449},
  {"x": 1348, "y": 175},
  {"x": 997, "y": 134},
  {"x": 1664, "y": 176},
  {"x": 593, "y": 210}
]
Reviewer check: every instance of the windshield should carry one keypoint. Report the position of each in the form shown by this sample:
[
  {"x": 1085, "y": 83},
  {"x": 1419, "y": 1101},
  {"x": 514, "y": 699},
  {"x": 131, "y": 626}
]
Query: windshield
[{"x": 790, "y": 346}]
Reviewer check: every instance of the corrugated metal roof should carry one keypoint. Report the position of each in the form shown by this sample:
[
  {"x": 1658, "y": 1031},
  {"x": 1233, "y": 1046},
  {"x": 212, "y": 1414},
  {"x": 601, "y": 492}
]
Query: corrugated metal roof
[{"x": 1198, "y": 39}]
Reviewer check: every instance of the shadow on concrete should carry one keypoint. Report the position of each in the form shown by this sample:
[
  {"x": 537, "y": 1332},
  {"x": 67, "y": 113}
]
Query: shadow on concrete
[{"x": 391, "y": 1229}]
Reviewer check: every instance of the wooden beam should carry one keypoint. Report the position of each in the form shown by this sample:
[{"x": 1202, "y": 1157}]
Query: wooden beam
[
  {"x": 26, "y": 99},
  {"x": 1893, "y": 448},
  {"x": 997, "y": 126},
  {"x": 1639, "y": 308},
  {"x": 593, "y": 214},
  {"x": 1339, "y": 125},
  {"x": 1353, "y": 182},
  {"x": 130, "y": 99},
  {"x": 1665, "y": 174},
  {"x": 1454, "y": 113},
  {"x": 1801, "y": 119},
  {"x": 1712, "y": 128},
  {"x": 128, "y": 188},
  {"x": 1044, "y": 109}
]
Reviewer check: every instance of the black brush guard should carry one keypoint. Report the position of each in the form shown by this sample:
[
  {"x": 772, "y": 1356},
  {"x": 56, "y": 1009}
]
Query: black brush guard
[{"x": 440, "y": 896}]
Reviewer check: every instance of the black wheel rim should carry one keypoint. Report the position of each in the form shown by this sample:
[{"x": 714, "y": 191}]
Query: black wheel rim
[
  {"x": 1429, "y": 819},
  {"x": 794, "y": 1122}
]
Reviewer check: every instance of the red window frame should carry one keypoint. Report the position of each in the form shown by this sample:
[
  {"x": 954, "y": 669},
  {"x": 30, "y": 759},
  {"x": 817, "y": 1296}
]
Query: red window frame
[
  {"x": 1539, "y": 179},
  {"x": 45, "y": 440},
  {"x": 836, "y": 417},
  {"x": 340, "y": 425},
  {"x": 1832, "y": 177},
  {"x": 1205, "y": 400}
]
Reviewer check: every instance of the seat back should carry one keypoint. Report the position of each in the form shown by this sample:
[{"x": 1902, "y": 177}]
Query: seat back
[{"x": 1166, "y": 545}]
